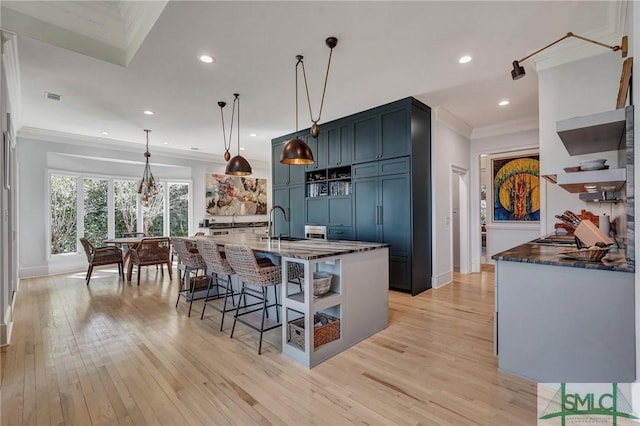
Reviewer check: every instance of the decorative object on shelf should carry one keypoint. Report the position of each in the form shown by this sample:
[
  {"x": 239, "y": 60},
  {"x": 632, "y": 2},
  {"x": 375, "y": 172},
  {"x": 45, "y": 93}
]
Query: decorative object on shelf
[
  {"x": 625, "y": 83},
  {"x": 147, "y": 187},
  {"x": 325, "y": 329},
  {"x": 235, "y": 195},
  {"x": 321, "y": 282},
  {"x": 296, "y": 151},
  {"x": 238, "y": 165},
  {"x": 222, "y": 104},
  {"x": 516, "y": 188},
  {"x": 518, "y": 71}
]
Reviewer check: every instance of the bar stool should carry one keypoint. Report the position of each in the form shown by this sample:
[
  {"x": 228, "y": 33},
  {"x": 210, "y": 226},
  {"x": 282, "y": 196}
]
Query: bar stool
[
  {"x": 243, "y": 260},
  {"x": 217, "y": 269},
  {"x": 189, "y": 262}
]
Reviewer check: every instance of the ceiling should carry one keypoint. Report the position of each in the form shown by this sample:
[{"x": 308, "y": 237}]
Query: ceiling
[{"x": 111, "y": 60}]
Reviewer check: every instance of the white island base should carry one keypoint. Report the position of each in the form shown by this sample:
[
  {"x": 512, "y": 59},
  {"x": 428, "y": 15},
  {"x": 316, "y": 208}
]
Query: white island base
[{"x": 358, "y": 298}]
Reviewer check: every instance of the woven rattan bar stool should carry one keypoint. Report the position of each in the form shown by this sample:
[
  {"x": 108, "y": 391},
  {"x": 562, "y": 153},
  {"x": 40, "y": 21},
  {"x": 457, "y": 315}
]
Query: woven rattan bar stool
[
  {"x": 243, "y": 260},
  {"x": 190, "y": 263},
  {"x": 219, "y": 272}
]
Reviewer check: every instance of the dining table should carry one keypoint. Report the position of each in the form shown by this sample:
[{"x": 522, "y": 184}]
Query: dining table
[{"x": 125, "y": 243}]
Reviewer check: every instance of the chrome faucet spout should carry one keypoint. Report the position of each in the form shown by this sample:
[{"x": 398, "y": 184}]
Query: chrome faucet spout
[{"x": 284, "y": 216}]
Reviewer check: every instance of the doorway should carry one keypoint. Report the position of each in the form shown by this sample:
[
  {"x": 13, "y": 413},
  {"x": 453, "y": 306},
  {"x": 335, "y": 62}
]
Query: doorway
[{"x": 459, "y": 202}]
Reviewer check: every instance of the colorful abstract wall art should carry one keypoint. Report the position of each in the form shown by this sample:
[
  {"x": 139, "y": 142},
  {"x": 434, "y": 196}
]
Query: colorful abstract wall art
[
  {"x": 516, "y": 188},
  {"x": 229, "y": 195}
]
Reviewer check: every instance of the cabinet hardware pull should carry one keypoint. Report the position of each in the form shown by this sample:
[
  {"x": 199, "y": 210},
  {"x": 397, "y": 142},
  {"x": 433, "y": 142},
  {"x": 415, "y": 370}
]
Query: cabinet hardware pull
[{"x": 377, "y": 213}]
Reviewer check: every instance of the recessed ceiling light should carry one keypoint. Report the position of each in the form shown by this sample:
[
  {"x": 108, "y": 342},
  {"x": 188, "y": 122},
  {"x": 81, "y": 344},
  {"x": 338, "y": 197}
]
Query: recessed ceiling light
[
  {"x": 148, "y": 112},
  {"x": 464, "y": 59},
  {"x": 206, "y": 59},
  {"x": 503, "y": 103},
  {"x": 105, "y": 133},
  {"x": 253, "y": 135},
  {"x": 165, "y": 143},
  {"x": 241, "y": 148}
]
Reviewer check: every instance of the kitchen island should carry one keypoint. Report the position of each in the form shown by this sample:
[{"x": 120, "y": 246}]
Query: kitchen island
[
  {"x": 563, "y": 320},
  {"x": 358, "y": 296}
]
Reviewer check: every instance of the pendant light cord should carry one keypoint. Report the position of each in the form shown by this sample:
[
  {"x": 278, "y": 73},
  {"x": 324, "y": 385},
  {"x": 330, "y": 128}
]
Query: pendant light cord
[
  {"x": 324, "y": 89},
  {"x": 237, "y": 98},
  {"x": 224, "y": 133}
]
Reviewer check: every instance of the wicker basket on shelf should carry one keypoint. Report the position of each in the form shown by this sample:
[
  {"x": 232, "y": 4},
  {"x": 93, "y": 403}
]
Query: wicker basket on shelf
[{"x": 327, "y": 331}]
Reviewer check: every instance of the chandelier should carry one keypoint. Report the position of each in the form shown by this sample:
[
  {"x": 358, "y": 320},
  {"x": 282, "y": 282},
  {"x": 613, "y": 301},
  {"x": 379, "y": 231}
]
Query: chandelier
[{"x": 147, "y": 187}]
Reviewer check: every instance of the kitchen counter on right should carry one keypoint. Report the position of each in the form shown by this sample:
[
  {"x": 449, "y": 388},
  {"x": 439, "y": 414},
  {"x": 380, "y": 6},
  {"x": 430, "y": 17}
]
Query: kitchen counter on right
[
  {"x": 560, "y": 320},
  {"x": 543, "y": 253}
]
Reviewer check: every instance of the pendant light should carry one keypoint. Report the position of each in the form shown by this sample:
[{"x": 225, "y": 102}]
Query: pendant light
[
  {"x": 296, "y": 151},
  {"x": 238, "y": 165},
  {"x": 147, "y": 187},
  {"x": 227, "y": 155}
]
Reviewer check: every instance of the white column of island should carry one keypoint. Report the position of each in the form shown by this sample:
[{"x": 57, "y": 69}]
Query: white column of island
[{"x": 358, "y": 296}]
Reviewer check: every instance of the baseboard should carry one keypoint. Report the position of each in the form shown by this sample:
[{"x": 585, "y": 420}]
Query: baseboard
[
  {"x": 45, "y": 271},
  {"x": 442, "y": 279},
  {"x": 33, "y": 271}
]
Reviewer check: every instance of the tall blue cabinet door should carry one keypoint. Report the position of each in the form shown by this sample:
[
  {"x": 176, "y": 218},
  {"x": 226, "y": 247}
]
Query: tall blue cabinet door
[
  {"x": 295, "y": 213},
  {"x": 318, "y": 149},
  {"x": 339, "y": 146},
  {"x": 339, "y": 211},
  {"x": 366, "y": 209},
  {"x": 366, "y": 134},
  {"x": 317, "y": 211},
  {"x": 296, "y": 174},
  {"x": 280, "y": 171},
  {"x": 395, "y": 138},
  {"x": 281, "y": 198},
  {"x": 395, "y": 199}
]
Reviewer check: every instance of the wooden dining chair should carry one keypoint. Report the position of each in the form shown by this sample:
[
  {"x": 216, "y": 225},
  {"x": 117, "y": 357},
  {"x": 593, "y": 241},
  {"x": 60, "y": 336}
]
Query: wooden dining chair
[
  {"x": 99, "y": 256},
  {"x": 150, "y": 251}
]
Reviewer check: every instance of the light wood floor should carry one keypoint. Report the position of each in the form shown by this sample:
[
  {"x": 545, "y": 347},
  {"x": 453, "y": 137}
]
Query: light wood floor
[{"x": 116, "y": 353}]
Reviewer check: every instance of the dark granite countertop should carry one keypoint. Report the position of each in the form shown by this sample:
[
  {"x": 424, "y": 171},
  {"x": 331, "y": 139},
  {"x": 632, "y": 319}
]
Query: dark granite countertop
[
  {"x": 549, "y": 254},
  {"x": 301, "y": 249}
]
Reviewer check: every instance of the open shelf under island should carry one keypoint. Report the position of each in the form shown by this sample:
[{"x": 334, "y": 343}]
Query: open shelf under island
[{"x": 357, "y": 299}]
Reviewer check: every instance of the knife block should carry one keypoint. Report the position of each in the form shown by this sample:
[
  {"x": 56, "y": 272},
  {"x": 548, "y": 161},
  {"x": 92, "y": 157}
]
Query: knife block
[{"x": 589, "y": 234}]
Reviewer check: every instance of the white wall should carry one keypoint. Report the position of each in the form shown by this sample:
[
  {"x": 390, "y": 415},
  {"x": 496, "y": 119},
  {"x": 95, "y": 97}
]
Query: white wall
[
  {"x": 37, "y": 157},
  {"x": 578, "y": 88},
  {"x": 448, "y": 149},
  {"x": 503, "y": 236}
]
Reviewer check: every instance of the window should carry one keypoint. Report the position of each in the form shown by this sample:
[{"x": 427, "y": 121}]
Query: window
[
  {"x": 96, "y": 211},
  {"x": 125, "y": 202},
  {"x": 178, "y": 209},
  {"x": 64, "y": 231},
  {"x": 101, "y": 208},
  {"x": 153, "y": 216}
]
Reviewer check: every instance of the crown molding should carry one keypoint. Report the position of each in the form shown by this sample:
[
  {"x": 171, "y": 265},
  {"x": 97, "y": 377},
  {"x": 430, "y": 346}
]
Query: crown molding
[
  {"x": 104, "y": 143},
  {"x": 513, "y": 126},
  {"x": 11, "y": 69},
  {"x": 453, "y": 122}
]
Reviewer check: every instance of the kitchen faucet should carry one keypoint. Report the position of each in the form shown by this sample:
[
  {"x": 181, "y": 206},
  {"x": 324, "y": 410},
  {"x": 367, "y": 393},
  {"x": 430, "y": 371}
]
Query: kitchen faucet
[{"x": 284, "y": 216}]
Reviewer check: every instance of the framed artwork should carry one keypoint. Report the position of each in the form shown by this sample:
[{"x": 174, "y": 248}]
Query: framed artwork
[
  {"x": 229, "y": 195},
  {"x": 516, "y": 188}
]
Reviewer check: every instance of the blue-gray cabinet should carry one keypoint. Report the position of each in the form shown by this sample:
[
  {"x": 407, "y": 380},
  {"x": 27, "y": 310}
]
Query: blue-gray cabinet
[
  {"x": 372, "y": 182},
  {"x": 291, "y": 198},
  {"x": 382, "y": 214},
  {"x": 339, "y": 145},
  {"x": 284, "y": 174}
]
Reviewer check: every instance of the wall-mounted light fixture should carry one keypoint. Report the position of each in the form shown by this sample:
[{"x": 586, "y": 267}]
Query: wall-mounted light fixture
[
  {"x": 296, "y": 151},
  {"x": 518, "y": 71}
]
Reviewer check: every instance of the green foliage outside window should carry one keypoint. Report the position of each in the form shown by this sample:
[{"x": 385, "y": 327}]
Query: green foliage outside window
[
  {"x": 125, "y": 203},
  {"x": 95, "y": 210},
  {"x": 64, "y": 196},
  {"x": 153, "y": 216},
  {"x": 178, "y": 209}
]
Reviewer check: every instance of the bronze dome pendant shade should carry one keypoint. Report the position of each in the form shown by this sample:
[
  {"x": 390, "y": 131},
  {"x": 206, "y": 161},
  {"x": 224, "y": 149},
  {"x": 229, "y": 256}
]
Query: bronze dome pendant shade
[
  {"x": 238, "y": 165},
  {"x": 296, "y": 151}
]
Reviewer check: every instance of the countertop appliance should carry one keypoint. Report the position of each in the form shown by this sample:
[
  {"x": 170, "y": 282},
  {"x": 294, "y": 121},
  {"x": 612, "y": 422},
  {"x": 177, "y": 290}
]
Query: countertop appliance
[{"x": 315, "y": 231}]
